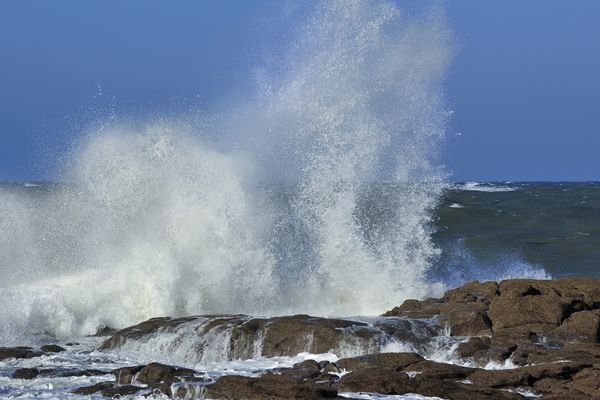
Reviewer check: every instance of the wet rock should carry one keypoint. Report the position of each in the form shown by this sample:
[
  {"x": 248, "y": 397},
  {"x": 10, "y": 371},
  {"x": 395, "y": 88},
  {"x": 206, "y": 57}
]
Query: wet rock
[
  {"x": 268, "y": 386},
  {"x": 25, "y": 373},
  {"x": 143, "y": 329},
  {"x": 526, "y": 376},
  {"x": 281, "y": 336},
  {"x": 52, "y": 348},
  {"x": 439, "y": 371},
  {"x": 463, "y": 318},
  {"x": 308, "y": 365},
  {"x": 18, "y": 352},
  {"x": 396, "y": 361},
  {"x": 126, "y": 375},
  {"x": 391, "y": 382},
  {"x": 155, "y": 373},
  {"x": 329, "y": 367},
  {"x": 87, "y": 390},
  {"x": 476, "y": 348},
  {"x": 124, "y": 390}
]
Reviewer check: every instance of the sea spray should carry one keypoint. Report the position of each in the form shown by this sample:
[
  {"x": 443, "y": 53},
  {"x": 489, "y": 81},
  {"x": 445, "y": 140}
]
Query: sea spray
[{"x": 161, "y": 220}]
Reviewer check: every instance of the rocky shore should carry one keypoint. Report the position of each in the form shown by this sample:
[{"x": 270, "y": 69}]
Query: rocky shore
[{"x": 508, "y": 340}]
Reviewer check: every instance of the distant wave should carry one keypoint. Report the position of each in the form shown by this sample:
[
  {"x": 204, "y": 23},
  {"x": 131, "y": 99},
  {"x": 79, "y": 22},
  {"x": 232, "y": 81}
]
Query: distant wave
[{"x": 485, "y": 187}]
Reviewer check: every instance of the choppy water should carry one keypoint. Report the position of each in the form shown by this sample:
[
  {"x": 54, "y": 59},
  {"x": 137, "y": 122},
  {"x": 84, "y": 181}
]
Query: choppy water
[{"x": 519, "y": 228}]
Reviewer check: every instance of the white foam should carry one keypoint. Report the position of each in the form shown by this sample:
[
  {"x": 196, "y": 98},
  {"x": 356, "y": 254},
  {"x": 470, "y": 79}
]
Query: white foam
[
  {"x": 165, "y": 219},
  {"x": 485, "y": 187}
]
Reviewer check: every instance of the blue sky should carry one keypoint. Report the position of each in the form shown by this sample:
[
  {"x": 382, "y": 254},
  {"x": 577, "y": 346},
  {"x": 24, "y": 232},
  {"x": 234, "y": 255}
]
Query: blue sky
[{"x": 524, "y": 85}]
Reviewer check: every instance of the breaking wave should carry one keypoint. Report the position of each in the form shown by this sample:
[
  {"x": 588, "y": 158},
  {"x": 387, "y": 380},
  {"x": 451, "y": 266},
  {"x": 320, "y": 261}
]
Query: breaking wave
[{"x": 269, "y": 211}]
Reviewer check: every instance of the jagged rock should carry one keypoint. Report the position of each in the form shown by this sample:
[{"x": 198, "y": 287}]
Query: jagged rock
[
  {"x": 18, "y": 352},
  {"x": 52, "y": 348},
  {"x": 25, "y": 373}
]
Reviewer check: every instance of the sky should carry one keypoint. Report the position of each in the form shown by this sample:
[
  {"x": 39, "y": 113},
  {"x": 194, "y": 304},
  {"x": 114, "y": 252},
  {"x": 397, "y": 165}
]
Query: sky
[{"x": 524, "y": 86}]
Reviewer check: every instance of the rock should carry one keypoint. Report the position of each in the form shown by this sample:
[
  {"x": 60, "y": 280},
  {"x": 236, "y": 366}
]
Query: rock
[
  {"x": 439, "y": 371},
  {"x": 25, "y": 373},
  {"x": 525, "y": 376},
  {"x": 526, "y": 314},
  {"x": 52, "y": 348},
  {"x": 155, "y": 373},
  {"x": 391, "y": 382},
  {"x": 88, "y": 390},
  {"x": 473, "y": 292},
  {"x": 583, "y": 326},
  {"x": 472, "y": 321},
  {"x": 308, "y": 365},
  {"x": 280, "y": 336},
  {"x": 18, "y": 352},
  {"x": 268, "y": 386},
  {"x": 396, "y": 361},
  {"x": 476, "y": 348},
  {"x": 124, "y": 390},
  {"x": 126, "y": 375}
]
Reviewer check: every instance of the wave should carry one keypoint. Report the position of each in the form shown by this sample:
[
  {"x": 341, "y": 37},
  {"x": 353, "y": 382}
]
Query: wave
[
  {"x": 170, "y": 219},
  {"x": 485, "y": 187}
]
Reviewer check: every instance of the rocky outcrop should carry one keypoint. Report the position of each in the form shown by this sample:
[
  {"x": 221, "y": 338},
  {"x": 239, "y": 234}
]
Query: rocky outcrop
[
  {"x": 562, "y": 310},
  {"x": 243, "y": 337}
]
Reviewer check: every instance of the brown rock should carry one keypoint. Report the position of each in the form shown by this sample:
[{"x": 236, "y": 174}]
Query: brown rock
[
  {"x": 525, "y": 376},
  {"x": 395, "y": 361},
  {"x": 155, "y": 373},
  {"x": 526, "y": 313},
  {"x": 438, "y": 371},
  {"x": 268, "y": 386},
  {"x": 473, "y": 292},
  {"x": 120, "y": 390},
  {"x": 581, "y": 326}
]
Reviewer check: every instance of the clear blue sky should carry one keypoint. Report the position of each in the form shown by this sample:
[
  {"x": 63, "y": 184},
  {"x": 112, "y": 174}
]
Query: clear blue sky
[{"x": 524, "y": 85}]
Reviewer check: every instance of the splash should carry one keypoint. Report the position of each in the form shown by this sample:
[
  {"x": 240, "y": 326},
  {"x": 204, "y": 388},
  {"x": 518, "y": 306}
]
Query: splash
[{"x": 316, "y": 198}]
